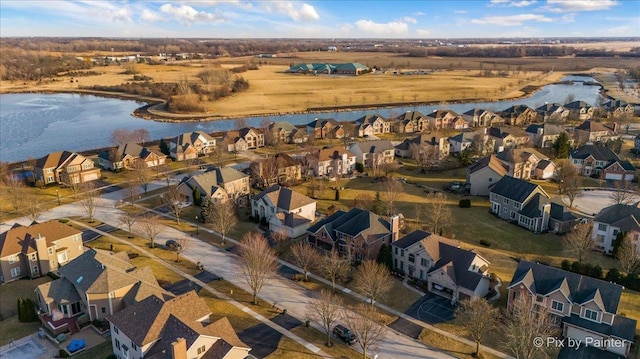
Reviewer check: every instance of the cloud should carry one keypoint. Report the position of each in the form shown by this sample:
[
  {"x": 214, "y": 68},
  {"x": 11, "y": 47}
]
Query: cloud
[
  {"x": 188, "y": 15},
  {"x": 512, "y": 20},
  {"x": 460, "y": 11},
  {"x": 568, "y": 18},
  {"x": 418, "y": 13},
  {"x": 150, "y": 16},
  {"x": 383, "y": 29},
  {"x": 301, "y": 13},
  {"x": 512, "y": 3},
  {"x": 408, "y": 19},
  {"x": 578, "y": 5}
]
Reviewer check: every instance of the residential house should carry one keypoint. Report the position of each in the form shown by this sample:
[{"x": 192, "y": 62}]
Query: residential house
[
  {"x": 173, "y": 328},
  {"x": 284, "y": 209},
  {"x": 31, "y": 251},
  {"x": 615, "y": 219},
  {"x": 373, "y": 125},
  {"x": 411, "y": 121},
  {"x": 247, "y": 138},
  {"x": 582, "y": 307},
  {"x": 528, "y": 205},
  {"x": 478, "y": 117},
  {"x": 522, "y": 162},
  {"x": 129, "y": 155},
  {"x": 321, "y": 128},
  {"x": 580, "y": 110},
  {"x": 285, "y": 132},
  {"x": 357, "y": 234},
  {"x": 543, "y": 135},
  {"x": 277, "y": 169},
  {"x": 97, "y": 283},
  {"x": 331, "y": 161},
  {"x": 373, "y": 153},
  {"x": 519, "y": 115},
  {"x": 464, "y": 140},
  {"x": 485, "y": 172},
  {"x": 190, "y": 145},
  {"x": 618, "y": 108},
  {"x": 298, "y": 135},
  {"x": 505, "y": 138},
  {"x": 65, "y": 168},
  {"x": 594, "y": 132},
  {"x": 600, "y": 161},
  {"x": 545, "y": 170},
  {"x": 440, "y": 119},
  {"x": 217, "y": 183},
  {"x": 554, "y": 112},
  {"x": 439, "y": 147},
  {"x": 449, "y": 271}
]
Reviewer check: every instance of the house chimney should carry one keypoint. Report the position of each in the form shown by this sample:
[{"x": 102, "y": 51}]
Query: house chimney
[
  {"x": 179, "y": 349},
  {"x": 394, "y": 224},
  {"x": 546, "y": 213}
]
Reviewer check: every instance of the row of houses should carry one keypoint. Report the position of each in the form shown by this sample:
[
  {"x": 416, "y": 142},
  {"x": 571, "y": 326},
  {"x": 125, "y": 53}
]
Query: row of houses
[{"x": 349, "y": 68}]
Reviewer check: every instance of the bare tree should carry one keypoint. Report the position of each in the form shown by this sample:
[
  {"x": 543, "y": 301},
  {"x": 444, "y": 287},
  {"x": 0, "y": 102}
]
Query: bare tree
[
  {"x": 143, "y": 175},
  {"x": 14, "y": 191},
  {"x": 524, "y": 322},
  {"x": 241, "y": 123},
  {"x": 70, "y": 181},
  {"x": 326, "y": 309},
  {"x": 151, "y": 227},
  {"x": 305, "y": 257},
  {"x": 121, "y": 136},
  {"x": 578, "y": 242},
  {"x": 438, "y": 212},
  {"x": 222, "y": 217},
  {"x": 478, "y": 317},
  {"x": 258, "y": 262},
  {"x": 622, "y": 193},
  {"x": 569, "y": 181},
  {"x": 279, "y": 237},
  {"x": 627, "y": 255},
  {"x": 33, "y": 207},
  {"x": 175, "y": 202},
  {"x": 128, "y": 218},
  {"x": 183, "y": 243},
  {"x": 89, "y": 199},
  {"x": 362, "y": 323},
  {"x": 373, "y": 280},
  {"x": 132, "y": 192},
  {"x": 334, "y": 267},
  {"x": 393, "y": 193}
]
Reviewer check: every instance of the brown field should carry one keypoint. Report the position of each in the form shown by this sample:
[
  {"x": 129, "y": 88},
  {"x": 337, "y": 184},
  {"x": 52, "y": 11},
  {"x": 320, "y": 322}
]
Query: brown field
[{"x": 621, "y": 46}]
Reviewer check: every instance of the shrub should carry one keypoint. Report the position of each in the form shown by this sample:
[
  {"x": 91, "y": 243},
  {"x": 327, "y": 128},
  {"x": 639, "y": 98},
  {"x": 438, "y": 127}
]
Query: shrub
[
  {"x": 63, "y": 354},
  {"x": 337, "y": 195},
  {"x": 596, "y": 272},
  {"x": 464, "y": 203},
  {"x": 613, "y": 275},
  {"x": 64, "y": 220},
  {"x": 484, "y": 242},
  {"x": 566, "y": 265},
  {"x": 577, "y": 267}
]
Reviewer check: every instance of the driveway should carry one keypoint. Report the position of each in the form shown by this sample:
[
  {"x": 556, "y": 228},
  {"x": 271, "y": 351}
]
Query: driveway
[
  {"x": 89, "y": 235},
  {"x": 432, "y": 309}
]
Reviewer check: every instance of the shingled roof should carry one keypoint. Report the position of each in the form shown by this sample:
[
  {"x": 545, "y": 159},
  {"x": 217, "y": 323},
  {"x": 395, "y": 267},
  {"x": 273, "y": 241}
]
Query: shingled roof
[
  {"x": 456, "y": 262},
  {"x": 624, "y": 216},
  {"x": 21, "y": 239},
  {"x": 515, "y": 189},
  {"x": 374, "y": 146},
  {"x": 600, "y": 153},
  {"x": 332, "y": 153},
  {"x": 490, "y": 161},
  {"x": 354, "y": 222},
  {"x": 284, "y": 198}
]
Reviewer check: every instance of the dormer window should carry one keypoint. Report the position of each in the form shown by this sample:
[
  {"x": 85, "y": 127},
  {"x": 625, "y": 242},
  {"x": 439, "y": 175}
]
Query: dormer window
[
  {"x": 557, "y": 306},
  {"x": 591, "y": 314}
]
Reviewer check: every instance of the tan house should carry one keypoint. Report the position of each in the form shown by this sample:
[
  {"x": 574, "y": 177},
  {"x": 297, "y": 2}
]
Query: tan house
[
  {"x": 129, "y": 155},
  {"x": 433, "y": 147},
  {"x": 179, "y": 327},
  {"x": 190, "y": 145},
  {"x": 618, "y": 108},
  {"x": 583, "y": 308},
  {"x": 522, "y": 162},
  {"x": 97, "y": 283},
  {"x": 284, "y": 209},
  {"x": 440, "y": 119},
  {"x": 484, "y": 173},
  {"x": 244, "y": 139},
  {"x": 580, "y": 110},
  {"x": 519, "y": 115},
  {"x": 478, "y": 117},
  {"x": 553, "y": 112},
  {"x": 65, "y": 167},
  {"x": 217, "y": 183},
  {"x": 508, "y": 137},
  {"x": 37, "y": 249},
  {"x": 278, "y": 169},
  {"x": 285, "y": 132},
  {"x": 333, "y": 161},
  {"x": 321, "y": 128},
  {"x": 373, "y": 125},
  {"x": 411, "y": 121},
  {"x": 373, "y": 153},
  {"x": 594, "y": 132}
]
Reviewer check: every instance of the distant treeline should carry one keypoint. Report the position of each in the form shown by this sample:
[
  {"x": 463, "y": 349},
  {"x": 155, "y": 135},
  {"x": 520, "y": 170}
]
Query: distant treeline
[
  {"x": 515, "y": 51},
  {"x": 32, "y": 66}
]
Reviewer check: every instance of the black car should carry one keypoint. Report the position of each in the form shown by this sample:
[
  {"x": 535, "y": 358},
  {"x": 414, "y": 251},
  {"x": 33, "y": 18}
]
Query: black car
[
  {"x": 342, "y": 332},
  {"x": 173, "y": 245}
]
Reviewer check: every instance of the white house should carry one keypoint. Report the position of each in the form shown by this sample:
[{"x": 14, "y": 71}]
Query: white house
[
  {"x": 284, "y": 209},
  {"x": 614, "y": 219},
  {"x": 373, "y": 153},
  {"x": 332, "y": 161}
]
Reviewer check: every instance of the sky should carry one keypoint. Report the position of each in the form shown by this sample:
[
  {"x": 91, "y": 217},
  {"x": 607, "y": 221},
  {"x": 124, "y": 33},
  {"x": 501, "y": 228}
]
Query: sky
[{"x": 320, "y": 19}]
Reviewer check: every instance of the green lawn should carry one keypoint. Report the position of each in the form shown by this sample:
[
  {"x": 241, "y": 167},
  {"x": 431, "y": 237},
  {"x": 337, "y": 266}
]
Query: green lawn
[
  {"x": 10, "y": 292},
  {"x": 12, "y": 329}
]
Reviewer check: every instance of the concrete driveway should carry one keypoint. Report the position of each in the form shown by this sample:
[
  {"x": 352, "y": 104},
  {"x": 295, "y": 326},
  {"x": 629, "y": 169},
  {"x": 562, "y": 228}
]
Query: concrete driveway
[{"x": 433, "y": 309}]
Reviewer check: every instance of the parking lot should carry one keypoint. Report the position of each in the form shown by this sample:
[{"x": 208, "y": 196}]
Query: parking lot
[{"x": 432, "y": 309}]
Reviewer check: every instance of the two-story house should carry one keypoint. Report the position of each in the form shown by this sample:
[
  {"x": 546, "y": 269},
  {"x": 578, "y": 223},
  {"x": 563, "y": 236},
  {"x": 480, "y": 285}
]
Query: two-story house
[
  {"x": 477, "y": 117},
  {"x": 217, "y": 183},
  {"x": 601, "y": 161},
  {"x": 594, "y": 132},
  {"x": 357, "y": 234},
  {"x": 465, "y": 140},
  {"x": 543, "y": 135},
  {"x": 410, "y": 121},
  {"x": 517, "y": 115},
  {"x": 618, "y": 108},
  {"x": 440, "y": 119},
  {"x": 247, "y": 138},
  {"x": 484, "y": 173},
  {"x": 174, "y": 328},
  {"x": 277, "y": 169},
  {"x": 285, "y": 132},
  {"x": 553, "y": 112},
  {"x": 582, "y": 307},
  {"x": 438, "y": 147},
  {"x": 128, "y": 155},
  {"x": 522, "y": 162},
  {"x": 333, "y": 161},
  {"x": 615, "y": 219},
  {"x": 505, "y": 138},
  {"x": 372, "y": 125},
  {"x": 281, "y": 207},
  {"x": 373, "y": 153},
  {"x": 190, "y": 145},
  {"x": 321, "y": 128},
  {"x": 37, "y": 249},
  {"x": 97, "y": 283},
  {"x": 528, "y": 205},
  {"x": 64, "y": 168},
  {"x": 579, "y": 110}
]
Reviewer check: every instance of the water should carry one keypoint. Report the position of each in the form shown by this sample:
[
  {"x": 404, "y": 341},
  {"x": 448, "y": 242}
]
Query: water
[
  {"x": 26, "y": 350},
  {"x": 32, "y": 125}
]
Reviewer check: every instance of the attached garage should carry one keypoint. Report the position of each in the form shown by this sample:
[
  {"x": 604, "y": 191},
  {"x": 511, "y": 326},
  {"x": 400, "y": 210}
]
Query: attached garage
[
  {"x": 90, "y": 177},
  {"x": 613, "y": 176},
  {"x": 581, "y": 335}
]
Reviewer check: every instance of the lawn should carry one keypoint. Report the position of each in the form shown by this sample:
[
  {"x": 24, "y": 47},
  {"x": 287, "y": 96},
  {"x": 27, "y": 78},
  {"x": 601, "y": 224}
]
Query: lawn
[
  {"x": 454, "y": 347},
  {"x": 288, "y": 348},
  {"x": 102, "y": 351},
  {"x": 337, "y": 348},
  {"x": 10, "y": 292},
  {"x": 12, "y": 329}
]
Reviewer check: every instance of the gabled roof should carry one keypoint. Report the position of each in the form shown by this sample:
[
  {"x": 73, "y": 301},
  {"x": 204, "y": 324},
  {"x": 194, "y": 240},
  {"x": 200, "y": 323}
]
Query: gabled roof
[
  {"x": 59, "y": 291},
  {"x": 491, "y": 162},
  {"x": 282, "y": 125},
  {"x": 191, "y": 137},
  {"x": 352, "y": 66},
  {"x": 354, "y": 222},
  {"x": 226, "y": 174},
  {"x": 622, "y": 327},
  {"x": 533, "y": 208},
  {"x": 517, "y": 109},
  {"x": 292, "y": 220},
  {"x": 21, "y": 239},
  {"x": 374, "y": 146},
  {"x": 327, "y": 222},
  {"x": 547, "y": 129},
  {"x": 411, "y": 239},
  {"x": 321, "y": 122},
  {"x": 410, "y": 115},
  {"x": 132, "y": 149},
  {"x": 464, "y": 137},
  {"x": 600, "y": 153},
  {"x": 577, "y": 105},
  {"x": 546, "y": 278},
  {"x": 370, "y": 119},
  {"x": 284, "y": 198},
  {"x": 626, "y": 165},
  {"x": 550, "y": 107},
  {"x": 332, "y": 153},
  {"x": 544, "y": 164},
  {"x": 57, "y": 159},
  {"x": 592, "y": 126},
  {"x": 624, "y": 216},
  {"x": 518, "y": 155},
  {"x": 456, "y": 262},
  {"x": 612, "y": 104},
  {"x": 515, "y": 189},
  {"x": 442, "y": 113},
  {"x": 420, "y": 139},
  {"x": 502, "y": 133}
]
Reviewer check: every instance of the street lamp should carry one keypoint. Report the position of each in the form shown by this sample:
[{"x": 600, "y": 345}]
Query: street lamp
[
  {"x": 197, "y": 228},
  {"x": 58, "y": 195}
]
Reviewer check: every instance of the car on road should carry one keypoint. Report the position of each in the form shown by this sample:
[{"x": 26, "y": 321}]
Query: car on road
[
  {"x": 344, "y": 334},
  {"x": 173, "y": 245}
]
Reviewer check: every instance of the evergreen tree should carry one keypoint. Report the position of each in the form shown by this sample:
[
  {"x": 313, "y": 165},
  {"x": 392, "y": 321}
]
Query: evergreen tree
[
  {"x": 385, "y": 256},
  {"x": 164, "y": 148},
  {"x": 617, "y": 243},
  {"x": 377, "y": 206},
  {"x": 205, "y": 209},
  {"x": 337, "y": 195},
  {"x": 197, "y": 196},
  {"x": 561, "y": 146}
]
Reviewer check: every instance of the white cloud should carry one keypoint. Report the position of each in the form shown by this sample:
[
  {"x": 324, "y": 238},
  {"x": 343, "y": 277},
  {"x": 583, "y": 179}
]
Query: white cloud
[
  {"x": 289, "y": 8},
  {"x": 460, "y": 11},
  {"x": 578, "y": 5},
  {"x": 419, "y": 13},
  {"x": 409, "y": 19},
  {"x": 512, "y": 20},
  {"x": 568, "y": 18},
  {"x": 392, "y": 28},
  {"x": 150, "y": 16},
  {"x": 188, "y": 15},
  {"x": 512, "y": 3}
]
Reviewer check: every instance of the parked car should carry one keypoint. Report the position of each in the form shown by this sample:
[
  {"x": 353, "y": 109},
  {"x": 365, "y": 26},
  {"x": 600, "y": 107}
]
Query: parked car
[
  {"x": 344, "y": 334},
  {"x": 173, "y": 245}
]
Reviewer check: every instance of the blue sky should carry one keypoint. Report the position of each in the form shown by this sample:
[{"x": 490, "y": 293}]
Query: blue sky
[{"x": 320, "y": 19}]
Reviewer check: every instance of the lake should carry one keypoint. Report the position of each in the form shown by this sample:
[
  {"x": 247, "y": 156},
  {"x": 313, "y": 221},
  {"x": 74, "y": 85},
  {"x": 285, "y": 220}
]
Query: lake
[{"x": 32, "y": 124}]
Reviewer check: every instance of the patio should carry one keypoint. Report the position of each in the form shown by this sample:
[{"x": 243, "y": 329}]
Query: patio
[{"x": 89, "y": 335}]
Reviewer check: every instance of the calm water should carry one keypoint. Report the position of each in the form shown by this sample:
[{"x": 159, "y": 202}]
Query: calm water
[{"x": 32, "y": 125}]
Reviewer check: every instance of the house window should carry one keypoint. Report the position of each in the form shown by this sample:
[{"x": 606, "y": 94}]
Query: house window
[
  {"x": 424, "y": 262},
  {"x": 117, "y": 344},
  {"x": 201, "y": 350},
  {"x": 512, "y": 215},
  {"x": 602, "y": 227},
  {"x": 402, "y": 253},
  {"x": 615, "y": 232},
  {"x": 555, "y": 305},
  {"x": 104, "y": 310},
  {"x": 590, "y": 314},
  {"x": 51, "y": 250},
  {"x": 75, "y": 308},
  {"x": 15, "y": 271},
  {"x": 539, "y": 298},
  {"x": 13, "y": 259},
  {"x": 516, "y": 204},
  {"x": 412, "y": 258},
  {"x": 49, "y": 179},
  {"x": 133, "y": 346}
]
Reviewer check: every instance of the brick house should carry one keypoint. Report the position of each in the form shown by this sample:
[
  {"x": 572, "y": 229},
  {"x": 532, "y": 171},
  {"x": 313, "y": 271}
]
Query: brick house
[
  {"x": 601, "y": 161},
  {"x": 190, "y": 145},
  {"x": 129, "y": 155}
]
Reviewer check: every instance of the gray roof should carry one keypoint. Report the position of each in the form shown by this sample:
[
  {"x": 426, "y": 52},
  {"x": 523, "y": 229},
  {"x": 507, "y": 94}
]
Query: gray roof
[
  {"x": 622, "y": 327},
  {"x": 547, "y": 129},
  {"x": 60, "y": 291},
  {"x": 370, "y": 119},
  {"x": 374, "y": 146},
  {"x": 410, "y": 115},
  {"x": 514, "y": 188},
  {"x": 600, "y": 153},
  {"x": 411, "y": 239},
  {"x": 577, "y": 105},
  {"x": 284, "y": 198},
  {"x": 460, "y": 260},
  {"x": 190, "y": 137},
  {"x": 546, "y": 279},
  {"x": 533, "y": 208},
  {"x": 287, "y": 126},
  {"x": 321, "y": 122},
  {"x": 624, "y": 216},
  {"x": 226, "y": 174},
  {"x": 592, "y": 126},
  {"x": 560, "y": 213},
  {"x": 463, "y": 137},
  {"x": 353, "y": 222},
  {"x": 420, "y": 139},
  {"x": 518, "y": 155}
]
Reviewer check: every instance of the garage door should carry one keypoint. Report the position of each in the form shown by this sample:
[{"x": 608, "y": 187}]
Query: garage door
[
  {"x": 613, "y": 176},
  {"x": 578, "y": 334},
  {"x": 91, "y": 177}
]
